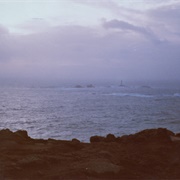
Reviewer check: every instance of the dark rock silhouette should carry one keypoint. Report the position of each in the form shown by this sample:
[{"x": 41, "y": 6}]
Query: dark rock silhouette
[
  {"x": 149, "y": 154},
  {"x": 90, "y": 86},
  {"x": 96, "y": 139},
  {"x": 78, "y": 86},
  {"x": 146, "y": 87},
  {"x": 110, "y": 138}
]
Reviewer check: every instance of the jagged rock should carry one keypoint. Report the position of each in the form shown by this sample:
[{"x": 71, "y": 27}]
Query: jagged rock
[
  {"x": 96, "y": 139},
  {"x": 90, "y": 86},
  {"x": 23, "y": 134},
  {"x": 20, "y": 136},
  {"x": 110, "y": 138},
  {"x": 149, "y": 154},
  {"x": 74, "y": 140},
  {"x": 6, "y": 134},
  {"x": 78, "y": 86},
  {"x": 160, "y": 135}
]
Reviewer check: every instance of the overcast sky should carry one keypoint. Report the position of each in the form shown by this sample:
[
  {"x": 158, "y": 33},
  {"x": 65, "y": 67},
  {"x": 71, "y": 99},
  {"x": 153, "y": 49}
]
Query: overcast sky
[{"x": 90, "y": 39}]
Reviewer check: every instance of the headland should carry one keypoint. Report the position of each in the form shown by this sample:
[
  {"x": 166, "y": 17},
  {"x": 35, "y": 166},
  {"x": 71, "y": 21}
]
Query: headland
[{"x": 149, "y": 154}]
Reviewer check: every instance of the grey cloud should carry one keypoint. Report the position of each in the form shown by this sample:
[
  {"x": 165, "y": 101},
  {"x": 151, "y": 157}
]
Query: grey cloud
[
  {"x": 158, "y": 23},
  {"x": 168, "y": 12},
  {"x": 118, "y": 24},
  {"x": 5, "y": 45},
  {"x": 168, "y": 16},
  {"x": 73, "y": 52}
]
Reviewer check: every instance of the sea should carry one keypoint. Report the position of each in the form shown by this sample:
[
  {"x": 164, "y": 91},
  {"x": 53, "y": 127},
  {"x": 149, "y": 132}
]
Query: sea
[{"x": 81, "y": 112}]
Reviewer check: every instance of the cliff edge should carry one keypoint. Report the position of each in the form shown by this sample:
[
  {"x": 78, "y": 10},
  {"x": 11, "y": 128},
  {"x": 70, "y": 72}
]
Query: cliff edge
[{"x": 149, "y": 154}]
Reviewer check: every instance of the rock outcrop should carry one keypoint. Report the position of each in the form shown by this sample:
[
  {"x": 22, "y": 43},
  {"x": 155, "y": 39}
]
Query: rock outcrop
[{"x": 149, "y": 154}]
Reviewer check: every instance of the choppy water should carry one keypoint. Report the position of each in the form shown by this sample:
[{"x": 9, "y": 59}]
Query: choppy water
[{"x": 66, "y": 113}]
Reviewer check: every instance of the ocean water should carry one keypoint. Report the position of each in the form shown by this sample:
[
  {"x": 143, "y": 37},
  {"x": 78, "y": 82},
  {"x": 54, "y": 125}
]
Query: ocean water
[{"x": 67, "y": 113}]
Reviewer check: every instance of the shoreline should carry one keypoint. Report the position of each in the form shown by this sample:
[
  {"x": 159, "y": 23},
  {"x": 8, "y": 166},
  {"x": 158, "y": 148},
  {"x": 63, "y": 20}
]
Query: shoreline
[{"x": 148, "y": 154}]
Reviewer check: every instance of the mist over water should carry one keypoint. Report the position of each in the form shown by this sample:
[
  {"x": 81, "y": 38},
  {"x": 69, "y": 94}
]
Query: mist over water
[{"x": 67, "y": 112}]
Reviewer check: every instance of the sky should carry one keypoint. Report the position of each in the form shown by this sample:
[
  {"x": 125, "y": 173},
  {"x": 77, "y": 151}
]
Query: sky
[{"x": 90, "y": 40}]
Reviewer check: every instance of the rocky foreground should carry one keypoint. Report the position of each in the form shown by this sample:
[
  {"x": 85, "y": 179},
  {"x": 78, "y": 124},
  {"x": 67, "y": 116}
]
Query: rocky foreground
[{"x": 149, "y": 154}]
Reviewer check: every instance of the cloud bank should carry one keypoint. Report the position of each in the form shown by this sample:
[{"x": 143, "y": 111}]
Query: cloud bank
[{"x": 115, "y": 49}]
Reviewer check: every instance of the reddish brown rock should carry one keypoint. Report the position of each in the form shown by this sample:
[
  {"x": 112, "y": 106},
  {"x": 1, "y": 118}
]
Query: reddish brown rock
[
  {"x": 149, "y": 154},
  {"x": 96, "y": 139},
  {"x": 110, "y": 138}
]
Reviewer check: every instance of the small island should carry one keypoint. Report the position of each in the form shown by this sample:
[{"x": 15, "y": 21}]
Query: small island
[
  {"x": 149, "y": 154},
  {"x": 90, "y": 86},
  {"x": 78, "y": 86}
]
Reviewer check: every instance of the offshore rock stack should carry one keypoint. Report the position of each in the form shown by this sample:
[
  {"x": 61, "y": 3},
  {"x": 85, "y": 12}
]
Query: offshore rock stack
[{"x": 149, "y": 154}]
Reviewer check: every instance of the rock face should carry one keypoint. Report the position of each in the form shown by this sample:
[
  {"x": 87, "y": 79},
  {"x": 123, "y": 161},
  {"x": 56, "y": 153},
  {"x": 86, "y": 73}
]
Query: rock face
[
  {"x": 149, "y": 154},
  {"x": 149, "y": 135}
]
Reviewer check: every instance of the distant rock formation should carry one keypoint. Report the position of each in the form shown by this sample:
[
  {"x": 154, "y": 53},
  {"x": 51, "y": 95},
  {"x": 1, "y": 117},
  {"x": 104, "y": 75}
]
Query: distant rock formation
[
  {"x": 90, "y": 86},
  {"x": 78, "y": 86}
]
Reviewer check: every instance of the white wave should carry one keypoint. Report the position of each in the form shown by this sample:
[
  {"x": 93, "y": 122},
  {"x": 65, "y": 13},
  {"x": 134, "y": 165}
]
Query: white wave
[
  {"x": 143, "y": 95},
  {"x": 132, "y": 95},
  {"x": 177, "y": 94}
]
